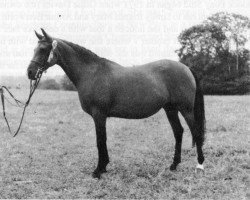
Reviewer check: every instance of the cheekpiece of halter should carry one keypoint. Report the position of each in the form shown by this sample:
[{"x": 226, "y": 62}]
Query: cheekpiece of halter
[{"x": 51, "y": 54}]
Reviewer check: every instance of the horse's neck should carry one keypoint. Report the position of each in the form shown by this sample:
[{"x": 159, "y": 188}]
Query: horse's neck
[{"x": 73, "y": 64}]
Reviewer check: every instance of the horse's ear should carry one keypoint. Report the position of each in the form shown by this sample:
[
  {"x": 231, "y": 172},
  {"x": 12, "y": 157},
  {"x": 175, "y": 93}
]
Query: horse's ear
[
  {"x": 47, "y": 36},
  {"x": 38, "y": 36}
]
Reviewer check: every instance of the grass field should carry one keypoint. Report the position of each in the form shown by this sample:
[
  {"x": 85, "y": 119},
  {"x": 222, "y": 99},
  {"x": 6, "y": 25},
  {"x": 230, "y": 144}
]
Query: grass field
[{"x": 55, "y": 153}]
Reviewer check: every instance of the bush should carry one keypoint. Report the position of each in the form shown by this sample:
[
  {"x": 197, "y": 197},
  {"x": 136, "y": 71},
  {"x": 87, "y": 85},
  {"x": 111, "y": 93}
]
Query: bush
[
  {"x": 66, "y": 84},
  {"x": 49, "y": 84},
  {"x": 229, "y": 87}
]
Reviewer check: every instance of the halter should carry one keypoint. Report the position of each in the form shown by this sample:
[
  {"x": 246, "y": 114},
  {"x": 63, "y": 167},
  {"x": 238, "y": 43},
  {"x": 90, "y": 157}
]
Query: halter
[{"x": 43, "y": 66}]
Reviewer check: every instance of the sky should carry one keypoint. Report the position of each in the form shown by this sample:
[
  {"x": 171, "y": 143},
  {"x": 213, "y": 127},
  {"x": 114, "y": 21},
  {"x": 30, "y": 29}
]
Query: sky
[{"x": 129, "y": 32}]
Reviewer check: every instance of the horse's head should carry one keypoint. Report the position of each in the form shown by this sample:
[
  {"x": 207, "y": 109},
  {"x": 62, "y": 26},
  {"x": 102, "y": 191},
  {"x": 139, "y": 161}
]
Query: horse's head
[{"x": 44, "y": 56}]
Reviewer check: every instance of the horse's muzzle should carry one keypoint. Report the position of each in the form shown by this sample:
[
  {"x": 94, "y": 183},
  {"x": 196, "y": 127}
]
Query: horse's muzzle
[
  {"x": 31, "y": 72},
  {"x": 31, "y": 75}
]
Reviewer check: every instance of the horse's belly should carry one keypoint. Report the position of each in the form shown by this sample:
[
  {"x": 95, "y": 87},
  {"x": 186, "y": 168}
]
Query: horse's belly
[
  {"x": 135, "y": 110},
  {"x": 138, "y": 95},
  {"x": 132, "y": 115}
]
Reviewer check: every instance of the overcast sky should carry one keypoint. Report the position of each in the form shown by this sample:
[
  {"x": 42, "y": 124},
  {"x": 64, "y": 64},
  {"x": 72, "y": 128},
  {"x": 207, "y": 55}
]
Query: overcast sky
[{"x": 129, "y": 32}]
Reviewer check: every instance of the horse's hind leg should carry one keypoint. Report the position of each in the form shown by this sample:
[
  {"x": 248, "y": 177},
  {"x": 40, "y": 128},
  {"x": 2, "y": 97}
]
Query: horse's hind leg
[
  {"x": 174, "y": 120},
  {"x": 196, "y": 134}
]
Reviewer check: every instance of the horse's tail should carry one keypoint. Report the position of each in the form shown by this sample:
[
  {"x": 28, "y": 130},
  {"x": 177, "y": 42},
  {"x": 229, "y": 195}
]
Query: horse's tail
[{"x": 199, "y": 111}]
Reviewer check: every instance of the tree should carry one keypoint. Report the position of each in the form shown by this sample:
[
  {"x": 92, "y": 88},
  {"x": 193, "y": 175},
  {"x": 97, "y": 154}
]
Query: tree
[
  {"x": 207, "y": 46},
  {"x": 204, "y": 38},
  {"x": 200, "y": 46},
  {"x": 236, "y": 27},
  {"x": 207, "y": 49}
]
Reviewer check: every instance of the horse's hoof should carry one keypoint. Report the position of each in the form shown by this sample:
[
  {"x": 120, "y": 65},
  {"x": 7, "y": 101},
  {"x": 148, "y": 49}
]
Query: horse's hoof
[
  {"x": 98, "y": 172},
  {"x": 96, "y": 175},
  {"x": 173, "y": 167}
]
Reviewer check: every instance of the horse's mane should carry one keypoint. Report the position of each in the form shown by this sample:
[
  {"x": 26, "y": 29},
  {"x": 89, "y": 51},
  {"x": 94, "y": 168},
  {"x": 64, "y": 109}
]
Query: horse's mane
[{"x": 87, "y": 55}]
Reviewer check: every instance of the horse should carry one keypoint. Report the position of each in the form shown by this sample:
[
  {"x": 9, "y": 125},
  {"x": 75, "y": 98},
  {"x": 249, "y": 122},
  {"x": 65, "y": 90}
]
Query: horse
[{"x": 107, "y": 89}]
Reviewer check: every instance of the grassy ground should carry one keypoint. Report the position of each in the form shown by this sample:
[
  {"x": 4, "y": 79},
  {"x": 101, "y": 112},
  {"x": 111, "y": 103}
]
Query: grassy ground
[{"x": 55, "y": 153}]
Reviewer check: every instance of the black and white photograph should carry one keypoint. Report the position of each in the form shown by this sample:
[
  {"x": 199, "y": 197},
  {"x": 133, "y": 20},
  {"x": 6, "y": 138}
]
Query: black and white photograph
[{"x": 125, "y": 99}]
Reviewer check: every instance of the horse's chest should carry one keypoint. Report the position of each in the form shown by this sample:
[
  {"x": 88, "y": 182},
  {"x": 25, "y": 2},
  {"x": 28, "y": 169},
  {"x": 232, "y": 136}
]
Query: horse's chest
[
  {"x": 95, "y": 98},
  {"x": 85, "y": 105},
  {"x": 86, "y": 101}
]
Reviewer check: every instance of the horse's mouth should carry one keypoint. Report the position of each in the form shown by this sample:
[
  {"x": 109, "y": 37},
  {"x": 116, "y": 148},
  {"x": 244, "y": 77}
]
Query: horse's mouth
[
  {"x": 31, "y": 76},
  {"x": 31, "y": 73}
]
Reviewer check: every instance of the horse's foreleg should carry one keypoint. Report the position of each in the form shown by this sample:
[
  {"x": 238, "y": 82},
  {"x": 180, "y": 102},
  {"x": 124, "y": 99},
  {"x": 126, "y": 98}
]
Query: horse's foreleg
[
  {"x": 101, "y": 138},
  {"x": 178, "y": 132}
]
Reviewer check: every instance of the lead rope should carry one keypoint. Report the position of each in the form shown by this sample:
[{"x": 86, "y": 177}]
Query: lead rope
[{"x": 19, "y": 103}]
